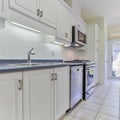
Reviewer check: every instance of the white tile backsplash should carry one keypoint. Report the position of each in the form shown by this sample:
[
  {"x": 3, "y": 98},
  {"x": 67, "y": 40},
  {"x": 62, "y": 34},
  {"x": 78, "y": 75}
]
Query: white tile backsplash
[{"x": 15, "y": 42}]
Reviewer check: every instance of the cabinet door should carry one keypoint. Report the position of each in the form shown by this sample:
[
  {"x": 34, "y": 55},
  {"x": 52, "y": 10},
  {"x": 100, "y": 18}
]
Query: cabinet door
[
  {"x": 48, "y": 15},
  {"x": 27, "y": 7},
  {"x": 64, "y": 26},
  {"x": 38, "y": 97},
  {"x": 92, "y": 46},
  {"x": 3, "y": 8},
  {"x": 10, "y": 97},
  {"x": 61, "y": 91}
]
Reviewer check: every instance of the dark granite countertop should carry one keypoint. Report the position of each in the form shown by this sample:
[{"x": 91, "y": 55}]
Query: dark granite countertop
[{"x": 22, "y": 65}]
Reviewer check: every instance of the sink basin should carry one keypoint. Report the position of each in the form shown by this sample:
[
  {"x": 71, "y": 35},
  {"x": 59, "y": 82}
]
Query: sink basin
[
  {"x": 27, "y": 64},
  {"x": 33, "y": 64}
]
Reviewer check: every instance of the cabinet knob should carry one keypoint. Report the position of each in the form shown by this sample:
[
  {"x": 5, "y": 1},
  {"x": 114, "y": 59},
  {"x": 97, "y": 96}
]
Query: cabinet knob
[
  {"x": 41, "y": 13},
  {"x": 52, "y": 77},
  {"x": 55, "y": 76}
]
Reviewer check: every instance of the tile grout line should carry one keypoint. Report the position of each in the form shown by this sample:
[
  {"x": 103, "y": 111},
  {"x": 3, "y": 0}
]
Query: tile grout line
[
  {"x": 107, "y": 91},
  {"x": 102, "y": 102}
]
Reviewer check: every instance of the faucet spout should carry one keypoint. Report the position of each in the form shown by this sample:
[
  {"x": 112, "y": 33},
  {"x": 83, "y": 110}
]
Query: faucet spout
[{"x": 30, "y": 52}]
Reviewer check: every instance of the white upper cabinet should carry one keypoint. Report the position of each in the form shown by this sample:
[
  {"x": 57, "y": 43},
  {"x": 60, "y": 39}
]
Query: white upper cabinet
[
  {"x": 3, "y": 9},
  {"x": 28, "y": 7},
  {"x": 48, "y": 12},
  {"x": 1, "y": 3},
  {"x": 64, "y": 26},
  {"x": 92, "y": 41},
  {"x": 42, "y": 10},
  {"x": 83, "y": 27},
  {"x": 66, "y": 18}
]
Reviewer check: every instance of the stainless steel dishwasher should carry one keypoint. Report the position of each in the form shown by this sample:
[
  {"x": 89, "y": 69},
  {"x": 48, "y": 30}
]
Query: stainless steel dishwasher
[{"x": 76, "y": 83}]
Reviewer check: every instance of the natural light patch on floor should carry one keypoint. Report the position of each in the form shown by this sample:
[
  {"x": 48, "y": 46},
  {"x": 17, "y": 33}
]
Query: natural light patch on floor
[{"x": 116, "y": 60}]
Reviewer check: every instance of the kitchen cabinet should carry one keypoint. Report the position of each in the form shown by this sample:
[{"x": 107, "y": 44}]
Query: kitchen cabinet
[
  {"x": 45, "y": 93},
  {"x": 11, "y": 96},
  {"x": 1, "y": 6},
  {"x": 40, "y": 10},
  {"x": 3, "y": 10},
  {"x": 64, "y": 26},
  {"x": 61, "y": 91},
  {"x": 38, "y": 95},
  {"x": 66, "y": 18},
  {"x": 92, "y": 46},
  {"x": 83, "y": 27}
]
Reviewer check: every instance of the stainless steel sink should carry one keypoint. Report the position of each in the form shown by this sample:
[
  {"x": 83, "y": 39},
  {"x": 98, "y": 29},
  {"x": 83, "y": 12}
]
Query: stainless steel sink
[
  {"x": 28, "y": 64},
  {"x": 33, "y": 64}
]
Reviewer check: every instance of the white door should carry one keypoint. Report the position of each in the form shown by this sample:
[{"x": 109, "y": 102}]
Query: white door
[
  {"x": 38, "y": 97},
  {"x": 61, "y": 91},
  {"x": 27, "y": 7},
  {"x": 48, "y": 9},
  {"x": 10, "y": 97}
]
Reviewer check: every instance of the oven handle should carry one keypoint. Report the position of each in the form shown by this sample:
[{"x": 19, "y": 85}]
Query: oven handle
[
  {"x": 89, "y": 89},
  {"x": 89, "y": 70},
  {"x": 91, "y": 66}
]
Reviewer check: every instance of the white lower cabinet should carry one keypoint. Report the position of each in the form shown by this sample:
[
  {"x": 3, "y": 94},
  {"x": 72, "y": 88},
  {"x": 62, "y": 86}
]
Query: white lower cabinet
[
  {"x": 45, "y": 93},
  {"x": 61, "y": 91},
  {"x": 37, "y": 95},
  {"x": 11, "y": 96},
  {"x": 34, "y": 95}
]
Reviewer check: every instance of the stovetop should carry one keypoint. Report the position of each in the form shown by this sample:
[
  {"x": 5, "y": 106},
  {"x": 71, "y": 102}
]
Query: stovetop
[{"x": 81, "y": 61}]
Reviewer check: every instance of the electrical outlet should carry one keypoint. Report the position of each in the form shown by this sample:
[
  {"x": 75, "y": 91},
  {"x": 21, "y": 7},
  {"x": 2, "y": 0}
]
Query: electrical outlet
[{"x": 52, "y": 52}]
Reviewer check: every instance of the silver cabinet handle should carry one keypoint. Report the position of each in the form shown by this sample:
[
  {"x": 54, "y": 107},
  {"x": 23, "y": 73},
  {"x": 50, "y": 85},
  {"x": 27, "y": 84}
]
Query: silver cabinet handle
[
  {"x": 52, "y": 77},
  {"x": 20, "y": 85},
  {"x": 38, "y": 12},
  {"x": 55, "y": 76}
]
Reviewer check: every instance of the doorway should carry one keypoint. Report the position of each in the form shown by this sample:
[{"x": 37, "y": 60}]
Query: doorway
[{"x": 115, "y": 59}]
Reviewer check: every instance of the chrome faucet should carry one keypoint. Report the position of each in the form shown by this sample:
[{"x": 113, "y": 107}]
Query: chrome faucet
[{"x": 31, "y": 52}]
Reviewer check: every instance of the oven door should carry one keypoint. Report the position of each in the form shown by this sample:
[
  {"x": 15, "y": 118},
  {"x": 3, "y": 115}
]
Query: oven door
[{"x": 89, "y": 77}]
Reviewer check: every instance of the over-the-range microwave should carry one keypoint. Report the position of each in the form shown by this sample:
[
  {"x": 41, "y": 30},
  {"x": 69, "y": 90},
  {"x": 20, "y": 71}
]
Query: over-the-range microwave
[{"x": 78, "y": 37}]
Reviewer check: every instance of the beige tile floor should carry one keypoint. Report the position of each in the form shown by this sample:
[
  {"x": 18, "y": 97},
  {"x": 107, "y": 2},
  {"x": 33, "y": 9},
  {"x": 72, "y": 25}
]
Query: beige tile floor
[{"x": 103, "y": 104}]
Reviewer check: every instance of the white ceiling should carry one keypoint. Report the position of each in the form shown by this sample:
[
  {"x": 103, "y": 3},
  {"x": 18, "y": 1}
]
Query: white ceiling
[{"x": 110, "y": 9}]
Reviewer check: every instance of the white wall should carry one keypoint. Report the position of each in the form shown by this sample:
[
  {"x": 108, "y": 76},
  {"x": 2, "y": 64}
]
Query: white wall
[
  {"x": 114, "y": 32},
  {"x": 15, "y": 42},
  {"x": 101, "y": 48}
]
